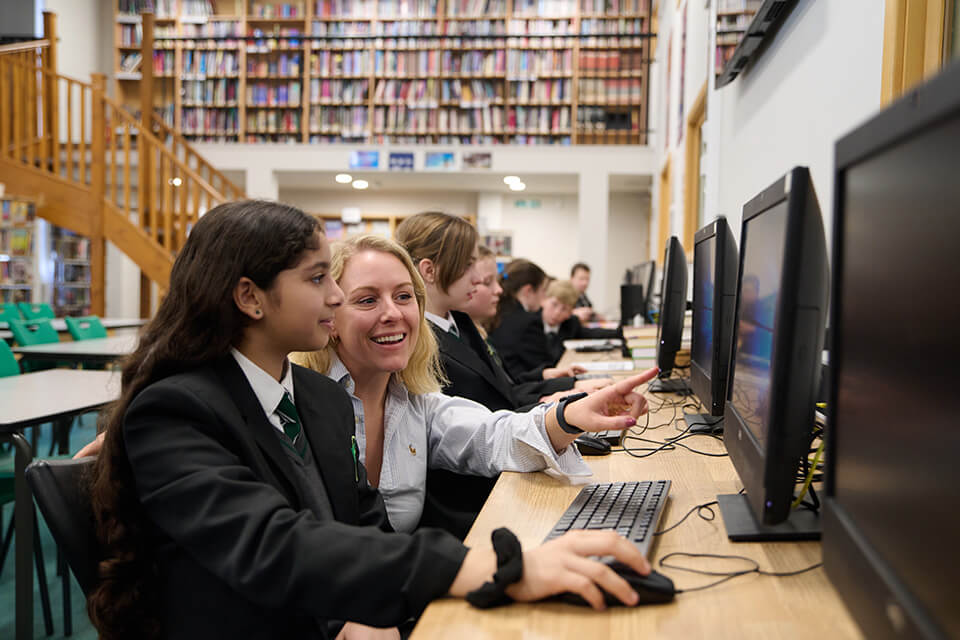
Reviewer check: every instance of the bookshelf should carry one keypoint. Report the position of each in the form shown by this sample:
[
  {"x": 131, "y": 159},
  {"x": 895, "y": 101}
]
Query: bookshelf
[
  {"x": 18, "y": 250},
  {"x": 71, "y": 273},
  {"x": 733, "y": 20},
  {"x": 394, "y": 71}
]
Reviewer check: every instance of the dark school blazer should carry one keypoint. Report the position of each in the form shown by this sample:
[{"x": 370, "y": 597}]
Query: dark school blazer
[{"x": 239, "y": 555}]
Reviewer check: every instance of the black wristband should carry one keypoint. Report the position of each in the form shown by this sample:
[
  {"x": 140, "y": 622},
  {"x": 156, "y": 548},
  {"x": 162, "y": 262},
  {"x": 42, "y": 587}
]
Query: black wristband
[
  {"x": 566, "y": 426},
  {"x": 509, "y": 570}
]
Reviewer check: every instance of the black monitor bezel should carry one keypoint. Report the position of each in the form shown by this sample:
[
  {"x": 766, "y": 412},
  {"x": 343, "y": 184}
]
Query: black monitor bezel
[
  {"x": 769, "y": 475},
  {"x": 711, "y": 386},
  {"x": 881, "y": 604},
  {"x": 672, "y": 307}
]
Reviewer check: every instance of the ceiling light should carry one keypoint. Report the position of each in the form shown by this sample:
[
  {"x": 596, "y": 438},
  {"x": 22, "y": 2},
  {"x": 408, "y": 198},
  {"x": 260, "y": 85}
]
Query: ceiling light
[
  {"x": 343, "y": 178},
  {"x": 176, "y": 181},
  {"x": 511, "y": 180},
  {"x": 517, "y": 186},
  {"x": 360, "y": 184}
]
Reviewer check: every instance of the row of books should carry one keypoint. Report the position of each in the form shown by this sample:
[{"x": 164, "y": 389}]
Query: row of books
[
  {"x": 536, "y": 62},
  {"x": 16, "y": 272},
  {"x": 201, "y": 121},
  {"x": 16, "y": 242},
  {"x": 165, "y": 112},
  {"x": 406, "y": 62},
  {"x": 210, "y": 92},
  {"x": 540, "y": 27},
  {"x": 161, "y": 8},
  {"x": 407, "y": 28},
  {"x": 266, "y": 121},
  {"x": 14, "y": 212},
  {"x": 334, "y": 63},
  {"x": 401, "y": 118},
  {"x": 475, "y": 28},
  {"x": 471, "y": 91},
  {"x": 343, "y": 9},
  {"x": 600, "y": 119},
  {"x": 218, "y": 62},
  {"x": 217, "y": 29},
  {"x": 284, "y": 65},
  {"x": 70, "y": 246},
  {"x": 614, "y": 6},
  {"x": 611, "y": 60},
  {"x": 349, "y": 122},
  {"x": 540, "y": 119},
  {"x": 260, "y": 138},
  {"x": 610, "y": 90},
  {"x": 407, "y": 8},
  {"x": 728, "y": 6},
  {"x": 276, "y": 10},
  {"x": 275, "y": 31},
  {"x": 338, "y": 91},
  {"x": 163, "y": 62},
  {"x": 458, "y": 8},
  {"x": 547, "y": 8},
  {"x": 271, "y": 45},
  {"x": 611, "y": 27},
  {"x": 262, "y": 94},
  {"x": 540, "y": 90},
  {"x": 477, "y": 62},
  {"x": 130, "y": 62},
  {"x": 322, "y": 29},
  {"x": 72, "y": 273},
  {"x": 131, "y": 35}
]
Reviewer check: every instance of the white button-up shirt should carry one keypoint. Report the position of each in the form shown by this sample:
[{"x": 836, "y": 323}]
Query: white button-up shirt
[
  {"x": 446, "y": 432},
  {"x": 268, "y": 391}
]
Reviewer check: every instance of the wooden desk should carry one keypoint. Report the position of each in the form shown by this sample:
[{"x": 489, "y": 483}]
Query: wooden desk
[
  {"x": 750, "y": 606},
  {"x": 95, "y": 350},
  {"x": 32, "y": 399}
]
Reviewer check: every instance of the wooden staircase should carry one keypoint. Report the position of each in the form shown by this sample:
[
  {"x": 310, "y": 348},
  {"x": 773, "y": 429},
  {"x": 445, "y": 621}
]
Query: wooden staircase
[{"x": 98, "y": 170}]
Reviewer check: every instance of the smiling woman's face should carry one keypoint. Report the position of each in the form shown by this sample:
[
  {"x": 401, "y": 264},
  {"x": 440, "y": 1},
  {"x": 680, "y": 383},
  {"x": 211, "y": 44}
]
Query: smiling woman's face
[{"x": 379, "y": 321}]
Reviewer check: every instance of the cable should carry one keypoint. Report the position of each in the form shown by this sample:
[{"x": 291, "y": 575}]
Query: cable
[
  {"x": 700, "y": 509},
  {"x": 727, "y": 575},
  {"x": 809, "y": 479}
]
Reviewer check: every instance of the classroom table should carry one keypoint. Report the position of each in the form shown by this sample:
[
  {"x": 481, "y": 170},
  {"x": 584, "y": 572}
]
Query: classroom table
[
  {"x": 60, "y": 325},
  {"x": 106, "y": 349},
  {"x": 31, "y": 399},
  {"x": 750, "y": 606}
]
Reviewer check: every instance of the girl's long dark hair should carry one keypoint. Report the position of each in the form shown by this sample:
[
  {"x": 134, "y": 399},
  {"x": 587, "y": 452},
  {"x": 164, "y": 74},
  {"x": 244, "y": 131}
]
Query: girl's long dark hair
[
  {"x": 516, "y": 274},
  {"x": 196, "y": 323}
]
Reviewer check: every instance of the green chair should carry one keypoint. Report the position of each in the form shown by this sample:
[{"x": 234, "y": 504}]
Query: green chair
[
  {"x": 85, "y": 327},
  {"x": 30, "y": 332},
  {"x": 39, "y": 311},
  {"x": 8, "y": 362},
  {"x": 10, "y": 312}
]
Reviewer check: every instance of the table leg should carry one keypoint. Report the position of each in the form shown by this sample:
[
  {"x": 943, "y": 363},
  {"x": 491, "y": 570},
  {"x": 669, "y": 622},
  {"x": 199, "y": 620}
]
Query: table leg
[{"x": 23, "y": 510}]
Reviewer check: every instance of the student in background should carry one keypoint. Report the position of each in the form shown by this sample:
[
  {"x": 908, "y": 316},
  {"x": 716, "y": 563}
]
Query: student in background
[
  {"x": 384, "y": 355},
  {"x": 444, "y": 250},
  {"x": 228, "y": 473},
  {"x": 482, "y": 308},
  {"x": 580, "y": 279}
]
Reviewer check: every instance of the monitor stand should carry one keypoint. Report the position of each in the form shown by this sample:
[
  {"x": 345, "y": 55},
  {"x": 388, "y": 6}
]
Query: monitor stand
[
  {"x": 703, "y": 423},
  {"x": 669, "y": 386},
  {"x": 802, "y": 524}
]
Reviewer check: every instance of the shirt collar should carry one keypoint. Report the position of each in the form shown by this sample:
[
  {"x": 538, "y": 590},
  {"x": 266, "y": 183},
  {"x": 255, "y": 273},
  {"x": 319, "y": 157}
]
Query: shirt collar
[
  {"x": 548, "y": 329},
  {"x": 339, "y": 373},
  {"x": 268, "y": 391},
  {"x": 443, "y": 323}
]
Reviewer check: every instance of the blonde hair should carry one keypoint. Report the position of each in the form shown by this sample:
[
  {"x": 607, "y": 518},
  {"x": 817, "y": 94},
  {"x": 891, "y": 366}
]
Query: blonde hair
[
  {"x": 564, "y": 291},
  {"x": 423, "y": 373},
  {"x": 447, "y": 241}
]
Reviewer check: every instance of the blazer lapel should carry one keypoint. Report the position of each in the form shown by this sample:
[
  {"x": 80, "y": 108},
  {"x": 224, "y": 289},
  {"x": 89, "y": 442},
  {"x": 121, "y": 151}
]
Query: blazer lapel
[
  {"x": 470, "y": 351},
  {"x": 329, "y": 429},
  {"x": 259, "y": 426}
]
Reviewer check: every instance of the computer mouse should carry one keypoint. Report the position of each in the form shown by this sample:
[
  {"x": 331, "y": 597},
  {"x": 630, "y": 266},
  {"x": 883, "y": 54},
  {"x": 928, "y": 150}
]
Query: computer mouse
[
  {"x": 590, "y": 445},
  {"x": 655, "y": 588}
]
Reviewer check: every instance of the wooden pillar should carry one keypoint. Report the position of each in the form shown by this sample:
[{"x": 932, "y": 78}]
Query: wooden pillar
[
  {"x": 145, "y": 182},
  {"x": 51, "y": 123},
  {"x": 98, "y": 243}
]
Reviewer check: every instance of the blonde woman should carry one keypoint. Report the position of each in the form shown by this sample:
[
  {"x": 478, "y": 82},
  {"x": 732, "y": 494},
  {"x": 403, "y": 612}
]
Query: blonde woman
[{"x": 383, "y": 353}]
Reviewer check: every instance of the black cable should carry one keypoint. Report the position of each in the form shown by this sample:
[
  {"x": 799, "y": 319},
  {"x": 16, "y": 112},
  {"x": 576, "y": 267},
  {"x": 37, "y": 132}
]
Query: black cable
[
  {"x": 727, "y": 575},
  {"x": 700, "y": 509}
]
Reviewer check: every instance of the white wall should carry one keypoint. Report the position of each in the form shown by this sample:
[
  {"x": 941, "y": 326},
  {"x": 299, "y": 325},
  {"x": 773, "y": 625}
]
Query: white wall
[
  {"x": 86, "y": 37},
  {"x": 381, "y": 202}
]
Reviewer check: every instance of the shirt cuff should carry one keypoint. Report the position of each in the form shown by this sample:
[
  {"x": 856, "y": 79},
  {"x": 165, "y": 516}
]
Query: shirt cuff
[{"x": 569, "y": 462}]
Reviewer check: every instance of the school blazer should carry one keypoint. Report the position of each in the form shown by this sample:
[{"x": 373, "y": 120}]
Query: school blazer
[{"x": 238, "y": 554}]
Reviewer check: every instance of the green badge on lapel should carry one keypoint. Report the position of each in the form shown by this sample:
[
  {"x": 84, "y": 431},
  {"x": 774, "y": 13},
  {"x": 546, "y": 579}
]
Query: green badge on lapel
[{"x": 355, "y": 450}]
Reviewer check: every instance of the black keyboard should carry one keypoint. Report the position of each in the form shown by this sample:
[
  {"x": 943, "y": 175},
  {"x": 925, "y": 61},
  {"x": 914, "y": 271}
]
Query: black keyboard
[{"x": 631, "y": 508}]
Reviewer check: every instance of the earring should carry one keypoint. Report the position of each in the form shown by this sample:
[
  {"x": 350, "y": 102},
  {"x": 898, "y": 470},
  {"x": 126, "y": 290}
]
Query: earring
[{"x": 257, "y": 313}]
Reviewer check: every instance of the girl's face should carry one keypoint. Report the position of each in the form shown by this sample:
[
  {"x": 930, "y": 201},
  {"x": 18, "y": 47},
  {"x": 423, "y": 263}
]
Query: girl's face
[
  {"x": 483, "y": 304},
  {"x": 379, "y": 322},
  {"x": 462, "y": 290},
  {"x": 299, "y": 306}
]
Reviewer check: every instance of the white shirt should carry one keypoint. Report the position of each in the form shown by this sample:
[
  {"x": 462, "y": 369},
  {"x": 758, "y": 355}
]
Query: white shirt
[
  {"x": 446, "y": 432},
  {"x": 269, "y": 392},
  {"x": 446, "y": 323},
  {"x": 550, "y": 329}
]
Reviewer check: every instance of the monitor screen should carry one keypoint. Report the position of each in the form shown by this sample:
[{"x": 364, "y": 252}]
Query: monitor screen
[
  {"x": 891, "y": 524},
  {"x": 763, "y": 248},
  {"x": 704, "y": 279}
]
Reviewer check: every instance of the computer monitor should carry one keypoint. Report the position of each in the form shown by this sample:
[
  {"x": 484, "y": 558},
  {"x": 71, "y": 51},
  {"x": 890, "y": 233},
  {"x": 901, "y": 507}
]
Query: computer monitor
[
  {"x": 775, "y": 369},
  {"x": 714, "y": 305},
  {"x": 890, "y": 523},
  {"x": 635, "y": 292},
  {"x": 673, "y": 304}
]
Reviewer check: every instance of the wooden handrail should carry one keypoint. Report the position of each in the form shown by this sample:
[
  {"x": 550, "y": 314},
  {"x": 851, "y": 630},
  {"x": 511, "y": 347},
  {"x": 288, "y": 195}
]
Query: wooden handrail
[{"x": 20, "y": 47}]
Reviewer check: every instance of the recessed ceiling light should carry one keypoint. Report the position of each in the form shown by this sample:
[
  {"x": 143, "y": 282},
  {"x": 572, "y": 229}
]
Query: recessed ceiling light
[
  {"x": 360, "y": 184},
  {"x": 517, "y": 186},
  {"x": 344, "y": 178},
  {"x": 511, "y": 180}
]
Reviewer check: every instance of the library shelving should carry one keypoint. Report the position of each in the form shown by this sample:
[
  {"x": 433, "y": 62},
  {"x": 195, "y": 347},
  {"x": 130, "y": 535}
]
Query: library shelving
[
  {"x": 382, "y": 224},
  {"x": 733, "y": 20},
  {"x": 18, "y": 252},
  {"x": 71, "y": 273},
  {"x": 394, "y": 71}
]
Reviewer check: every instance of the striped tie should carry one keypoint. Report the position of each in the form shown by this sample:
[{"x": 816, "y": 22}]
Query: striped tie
[{"x": 290, "y": 420}]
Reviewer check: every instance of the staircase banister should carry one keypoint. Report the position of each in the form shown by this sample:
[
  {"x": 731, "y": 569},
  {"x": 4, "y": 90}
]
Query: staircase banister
[
  {"x": 186, "y": 144},
  {"x": 19, "y": 47}
]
